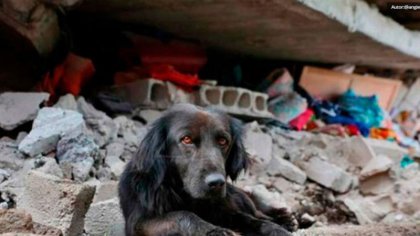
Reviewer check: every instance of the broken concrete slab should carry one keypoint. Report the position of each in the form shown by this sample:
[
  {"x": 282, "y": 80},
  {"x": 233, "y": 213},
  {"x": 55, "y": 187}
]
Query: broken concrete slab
[
  {"x": 359, "y": 16},
  {"x": 102, "y": 215},
  {"x": 387, "y": 148},
  {"x": 258, "y": 144},
  {"x": 100, "y": 126},
  {"x": 378, "y": 184},
  {"x": 48, "y": 127},
  {"x": 360, "y": 151},
  {"x": 375, "y": 166},
  {"x": 326, "y": 174},
  {"x": 279, "y": 166},
  {"x": 17, "y": 221},
  {"x": 65, "y": 205},
  {"x": 19, "y": 108},
  {"x": 76, "y": 155}
]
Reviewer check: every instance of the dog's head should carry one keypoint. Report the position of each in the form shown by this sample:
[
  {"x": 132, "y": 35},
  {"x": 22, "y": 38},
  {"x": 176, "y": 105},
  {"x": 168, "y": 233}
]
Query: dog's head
[{"x": 203, "y": 147}]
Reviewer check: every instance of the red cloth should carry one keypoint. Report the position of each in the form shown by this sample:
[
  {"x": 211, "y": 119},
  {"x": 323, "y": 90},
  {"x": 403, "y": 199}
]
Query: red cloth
[
  {"x": 300, "y": 122},
  {"x": 68, "y": 77},
  {"x": 168, "y": 72}
]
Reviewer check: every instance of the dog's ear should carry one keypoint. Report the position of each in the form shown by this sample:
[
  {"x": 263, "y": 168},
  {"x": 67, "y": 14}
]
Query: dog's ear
[
  {"x": 237, "y": 159},
  {"x": 143, "y": 175},
  {"x": 150, "y": 157}
]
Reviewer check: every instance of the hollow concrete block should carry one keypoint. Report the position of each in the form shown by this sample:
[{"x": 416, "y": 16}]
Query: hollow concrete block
[{"x": 150, "y": 93}]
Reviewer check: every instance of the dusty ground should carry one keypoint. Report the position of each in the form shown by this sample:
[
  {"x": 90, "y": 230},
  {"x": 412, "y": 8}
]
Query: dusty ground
[{"x": 366, "y": 230}]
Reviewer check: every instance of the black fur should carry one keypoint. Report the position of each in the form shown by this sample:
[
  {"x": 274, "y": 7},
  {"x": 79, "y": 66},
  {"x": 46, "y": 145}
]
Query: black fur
[{"x": 161, "y": 190}]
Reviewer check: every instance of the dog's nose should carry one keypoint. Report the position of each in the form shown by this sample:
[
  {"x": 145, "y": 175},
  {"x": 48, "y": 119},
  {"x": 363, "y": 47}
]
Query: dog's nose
[{"x": 215, "y": 181}]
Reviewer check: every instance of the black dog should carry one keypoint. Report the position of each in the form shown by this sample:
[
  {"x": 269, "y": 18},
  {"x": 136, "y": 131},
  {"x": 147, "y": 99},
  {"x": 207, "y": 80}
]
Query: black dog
[{"x": 176, "y": 183}]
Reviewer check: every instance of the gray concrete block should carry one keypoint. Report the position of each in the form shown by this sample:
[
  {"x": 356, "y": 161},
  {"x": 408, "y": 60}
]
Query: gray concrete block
[
  {"x": 102, "y": 215},
  {"x": 327, "y": 174},
  {"x": 18, "y": 108},
  {"x": 150, "y": 93},
  {"x": 279, "y": 166},
  {"x": 55, "y": 202},
  {"x": 234, "y": 100},
  {"x": 48, "y": 127}
]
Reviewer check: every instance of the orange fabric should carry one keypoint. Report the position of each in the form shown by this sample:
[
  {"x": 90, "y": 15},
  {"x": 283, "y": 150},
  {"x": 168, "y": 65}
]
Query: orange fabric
[{"x": 68, "y": 77}]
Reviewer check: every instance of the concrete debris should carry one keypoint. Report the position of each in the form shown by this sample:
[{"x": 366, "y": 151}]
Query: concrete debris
[
  {"x": 326, "y": 174},
  {"x": 101, "y": 127},
  {"x": 264, "y": 198},
  {"x": 129, "y": 130},
  {"x": 324, "y": 180},
  {"x": 367, "y": 212},
  {"x": 387, "y": 148},
  {"x": 67, "y": 102},
  {"x": 375, "y": 166},
  {"x": 76, "y": 155},
  {"x": 48, "y": 127},
  {"x": 41, "y": 229},
  {"x": 17, "y": 221},
  {"x": 65, "y": 205},
  {"x": 105, "y": 191},
  {"x": 258, "y": 144},
  {"x": 279, "y": 166},
  {"x": 50, "y": 166},
  {"x": 378, "y": 184},
  {"x": 21, "y": 135},
  {"x": 4, "y": 175},
  {"x": 113, "y": 153},
  {"x": 10, "y": 157},
  {"x": 19, "y": 108},
  {"x": 102, "y": 215},
  {"x": 361, "y": 153}
]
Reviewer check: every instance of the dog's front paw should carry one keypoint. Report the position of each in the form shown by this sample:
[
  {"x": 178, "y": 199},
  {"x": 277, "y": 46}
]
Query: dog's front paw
[
  {"x": 271, "y": 229},
  {"x": 221, "y": 232},
  {"x": 284, "y": 218}
]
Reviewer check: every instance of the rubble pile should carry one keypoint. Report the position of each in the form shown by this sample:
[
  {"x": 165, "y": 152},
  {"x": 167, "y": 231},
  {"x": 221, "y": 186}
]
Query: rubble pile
[{"x": 61, "y": 177}]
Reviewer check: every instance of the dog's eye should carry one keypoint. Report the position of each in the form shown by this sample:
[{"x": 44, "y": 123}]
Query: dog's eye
[
  {"x": 186, "y": 140},
  {"x": 222, "y": 141}
]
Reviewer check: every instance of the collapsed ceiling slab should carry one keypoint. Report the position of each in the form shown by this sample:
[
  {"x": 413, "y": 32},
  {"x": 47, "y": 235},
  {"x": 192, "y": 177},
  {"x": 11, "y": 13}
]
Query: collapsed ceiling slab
[{"x": 299, "y": 30}]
